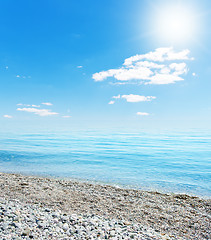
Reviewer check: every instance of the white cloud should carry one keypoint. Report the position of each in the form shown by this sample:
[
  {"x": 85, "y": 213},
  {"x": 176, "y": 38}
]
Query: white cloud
[
  {"x": 165, "y": 70},
  {"x": 21, "y": 104},
  {"x": 103, "y": 75},
  {"x": 160, "y": 55},
  {"x": 164, "y": 79},
  {"x": 22, "y": 76},
  {"x": 137, "y": 98},
  {"x": 133, "y": 98},
  {"x": 116, "y": 97},
  {"x": 27, "y": 105},
  {"x": 149, "y": 64},
  {"x": 47, "y": 104},
  {"x": 133, "y": 73},
  {"x": 79, "y": 66},
  {"x": 40, "y": 112},
  {"x": 117, "y": 83},
  {"x": 7, "y": 116},
  {"x": 66, "y": 116},
  {"x": 142, "y": 114},
  {"x": 194, "y": 74},
  {"x": 33, "y": 105},
  {"x": 124, "y": 74},
  {"x": 179, "y": 68},
  {"x": 151, "y": 68}
]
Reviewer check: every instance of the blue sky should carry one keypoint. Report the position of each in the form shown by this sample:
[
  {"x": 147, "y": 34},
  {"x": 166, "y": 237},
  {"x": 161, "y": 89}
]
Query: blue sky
[{"x": 105, "y": 63}]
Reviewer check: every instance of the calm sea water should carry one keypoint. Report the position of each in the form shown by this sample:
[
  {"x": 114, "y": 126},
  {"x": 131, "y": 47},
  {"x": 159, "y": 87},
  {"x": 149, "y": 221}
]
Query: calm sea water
[{"x": 168, "y": 162}]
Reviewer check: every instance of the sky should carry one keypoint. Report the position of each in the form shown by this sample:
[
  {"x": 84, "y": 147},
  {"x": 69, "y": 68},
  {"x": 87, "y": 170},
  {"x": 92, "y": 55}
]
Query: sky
[{"x": 123, "y": 63}]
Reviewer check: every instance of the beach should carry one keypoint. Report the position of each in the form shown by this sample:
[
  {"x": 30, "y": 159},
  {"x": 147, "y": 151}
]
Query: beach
[
  {"x": 35, "y": 207},
  {"x": 105, "y": 120}
]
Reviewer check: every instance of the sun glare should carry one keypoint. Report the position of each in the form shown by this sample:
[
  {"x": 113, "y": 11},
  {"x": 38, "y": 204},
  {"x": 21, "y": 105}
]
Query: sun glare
[{"x": 175, "y": 23}]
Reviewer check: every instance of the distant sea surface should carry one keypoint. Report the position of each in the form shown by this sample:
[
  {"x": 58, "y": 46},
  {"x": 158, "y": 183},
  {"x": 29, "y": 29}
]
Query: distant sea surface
[{"x": 177, "y": 162}]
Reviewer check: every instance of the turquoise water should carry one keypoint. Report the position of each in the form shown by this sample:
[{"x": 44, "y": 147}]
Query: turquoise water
[{"x": 168, "y": 162}]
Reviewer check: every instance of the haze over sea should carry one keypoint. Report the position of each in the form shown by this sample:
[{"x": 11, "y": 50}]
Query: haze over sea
[{"x": 168, "y": 161}]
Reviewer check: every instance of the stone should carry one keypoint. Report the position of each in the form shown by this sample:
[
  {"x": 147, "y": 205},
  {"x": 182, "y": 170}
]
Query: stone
[
  {"x": 112, "y": 233},
  {"x": 65, "y": 227}
]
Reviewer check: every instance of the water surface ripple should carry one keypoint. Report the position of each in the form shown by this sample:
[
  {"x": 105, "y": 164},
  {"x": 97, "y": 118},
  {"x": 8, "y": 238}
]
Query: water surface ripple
[{"x": 177, "y": 162}]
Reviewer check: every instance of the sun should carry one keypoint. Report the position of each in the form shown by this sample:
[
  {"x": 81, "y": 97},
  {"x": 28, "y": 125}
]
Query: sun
[{"x": 174, "y": 23}]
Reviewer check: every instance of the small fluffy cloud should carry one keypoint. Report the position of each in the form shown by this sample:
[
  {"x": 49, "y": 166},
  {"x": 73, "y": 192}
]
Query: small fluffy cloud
[
  {"x": 142, "y": 114},
  {"x": 27, "y": 105},
  {"x": 47, "y": 103},
  {"x": 133, "y": 98},
  {"x": 137, "y": 98},
  {"x": 158, "y": 67},
  {"x": 79, "y": 66},
  {"x": 118, "y": 83},
  {"x": 33, "y": 105},
  {"x": 21, "y": 104},
  {"x": 116, "y": 97},
  {"x": 40, "y": 112},
  {"x": 22, "y": 76},
  {"x": 7, "y": 116},
  {"x": 66, "y": 116}
]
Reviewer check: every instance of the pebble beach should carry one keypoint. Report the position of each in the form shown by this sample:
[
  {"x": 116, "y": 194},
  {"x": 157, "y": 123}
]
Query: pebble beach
[{"x": 47, "y": 208}]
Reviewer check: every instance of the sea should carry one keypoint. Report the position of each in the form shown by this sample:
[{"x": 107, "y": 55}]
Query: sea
[{"x": 169, "y": 162}]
